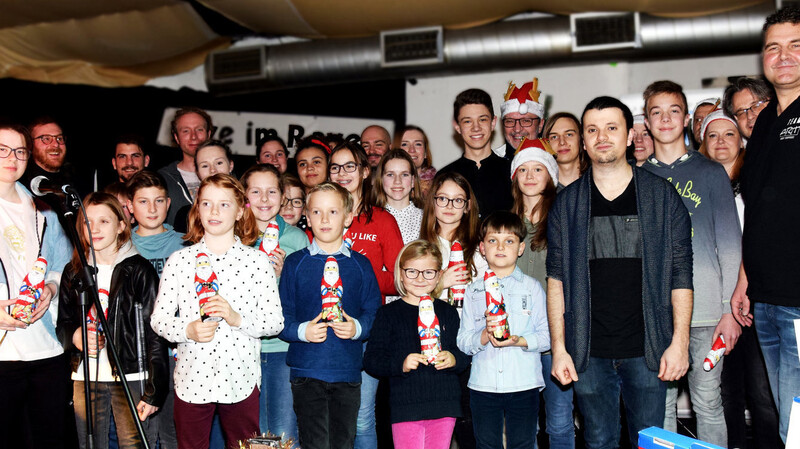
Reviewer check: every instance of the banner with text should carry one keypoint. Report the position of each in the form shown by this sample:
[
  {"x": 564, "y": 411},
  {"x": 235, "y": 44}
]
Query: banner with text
[{"x": 241, "y": 130}]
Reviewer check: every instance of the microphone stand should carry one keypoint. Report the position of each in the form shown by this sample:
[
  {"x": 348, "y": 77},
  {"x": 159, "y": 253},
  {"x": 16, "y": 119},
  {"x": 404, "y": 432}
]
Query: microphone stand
[{"x": 87, "y": 292}]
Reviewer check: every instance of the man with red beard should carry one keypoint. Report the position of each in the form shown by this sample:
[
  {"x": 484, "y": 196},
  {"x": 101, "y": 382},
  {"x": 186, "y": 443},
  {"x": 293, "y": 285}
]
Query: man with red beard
[{"x": 49, "y": 153}]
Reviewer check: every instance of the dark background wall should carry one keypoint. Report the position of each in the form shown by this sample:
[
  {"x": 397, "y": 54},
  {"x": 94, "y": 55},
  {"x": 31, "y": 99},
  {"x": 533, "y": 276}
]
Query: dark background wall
[{"x": 92, "y": 117}]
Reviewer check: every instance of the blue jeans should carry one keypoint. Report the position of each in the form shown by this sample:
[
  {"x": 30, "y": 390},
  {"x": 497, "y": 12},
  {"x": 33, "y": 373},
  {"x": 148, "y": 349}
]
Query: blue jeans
[
  {"x": 366, "y": 436},
  {"x": 558, "y": 408},
  {"x": 598, "y": 389},
  {"x": 108, "y": 397},
  {"x": 704, "y": 389},
  {"x": 775, "y": 329},
  {"x": 276, "y": 406},
  {"x": 519, "y": 410}
]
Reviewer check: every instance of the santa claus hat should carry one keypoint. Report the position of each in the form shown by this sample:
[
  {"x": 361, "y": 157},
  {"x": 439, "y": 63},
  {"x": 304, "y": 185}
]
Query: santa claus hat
[
  {"x": 712, "y": 101},
  {"x": 537, "y": 150},
  {"x": 523, "y": 100},
  {"x": 488, "y": 274},
  {"x": 272, "y": 225},
  {"x": 717, "y": 114}
]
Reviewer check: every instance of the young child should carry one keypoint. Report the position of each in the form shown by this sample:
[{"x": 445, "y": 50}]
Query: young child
[
  {"x": 373, "y": 233},
  {"x": 264, "y": 190},
  {"x": 294, "y": 199},
  {"x": 127, "y": 285},
  {"x": 325, "y": 357},
  {"x": 425, "y": 396},
  {"x": 506, "y": 374},
  {"x": 156, "y": 240},
  {"x": 218, "y": 367},
  {"x": 399, "y": 192}
]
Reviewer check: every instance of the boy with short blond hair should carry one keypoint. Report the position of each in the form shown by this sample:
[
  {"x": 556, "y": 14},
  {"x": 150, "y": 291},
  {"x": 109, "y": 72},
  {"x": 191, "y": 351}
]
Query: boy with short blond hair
[{"x": 325, "y": 357}]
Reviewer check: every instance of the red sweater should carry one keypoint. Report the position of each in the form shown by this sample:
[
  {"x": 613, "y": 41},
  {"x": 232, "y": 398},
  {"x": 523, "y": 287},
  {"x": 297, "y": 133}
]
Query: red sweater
[{"x": 381, "y": 242}]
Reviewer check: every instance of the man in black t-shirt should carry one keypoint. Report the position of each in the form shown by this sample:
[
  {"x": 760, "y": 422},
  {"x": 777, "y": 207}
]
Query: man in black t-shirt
[
  {"x": 770, "y": 243},
  {"x": 619, "y": 290}
]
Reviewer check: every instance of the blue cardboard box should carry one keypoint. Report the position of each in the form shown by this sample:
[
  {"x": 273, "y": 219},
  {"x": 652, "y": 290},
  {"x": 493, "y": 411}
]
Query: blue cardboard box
[{"x": 657, "y": 438}]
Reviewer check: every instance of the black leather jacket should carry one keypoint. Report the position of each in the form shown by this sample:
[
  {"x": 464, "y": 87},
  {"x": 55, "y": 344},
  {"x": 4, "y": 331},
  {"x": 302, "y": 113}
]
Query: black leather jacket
[{"x": 134, "y": 280}]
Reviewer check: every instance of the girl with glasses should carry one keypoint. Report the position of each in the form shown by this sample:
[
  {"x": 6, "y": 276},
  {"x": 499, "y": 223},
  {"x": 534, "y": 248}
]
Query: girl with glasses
[
  {"x": 450, "y": 214},
  {"x": 294, "y": 200},
  {"x": 424, "y": 395}
]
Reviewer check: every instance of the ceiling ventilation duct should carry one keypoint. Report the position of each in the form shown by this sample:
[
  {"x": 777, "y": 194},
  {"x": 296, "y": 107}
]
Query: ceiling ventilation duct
[{"x": 498, "y": 46}]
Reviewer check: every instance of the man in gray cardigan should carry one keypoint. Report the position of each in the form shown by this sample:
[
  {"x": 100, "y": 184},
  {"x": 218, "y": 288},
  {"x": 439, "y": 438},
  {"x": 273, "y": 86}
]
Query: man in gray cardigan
[{"x": 619, "y": 293}]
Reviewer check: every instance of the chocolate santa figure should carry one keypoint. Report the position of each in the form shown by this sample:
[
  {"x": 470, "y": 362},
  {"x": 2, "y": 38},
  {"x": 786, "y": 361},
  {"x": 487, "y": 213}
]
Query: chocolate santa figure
[
  {"x": 347, "y": 238},
  {"x": 30, "y": 292},
  {"x": 332, "y": 291},
  {"x": 269, "y": 241},
  {"x": 715, "y": 354},
  {"x": 91, "y": 316},
  {"x": 495, "y": 305},
  {"x": 428, "y": 329},
  {"x": 205, "y": 284},
  {"x": 455, "y": 294}
]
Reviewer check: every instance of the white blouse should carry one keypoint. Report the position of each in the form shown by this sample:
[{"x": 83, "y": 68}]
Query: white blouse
[
  {"x": 228, "y": 368},
  {"x": 409, "y": 220}
]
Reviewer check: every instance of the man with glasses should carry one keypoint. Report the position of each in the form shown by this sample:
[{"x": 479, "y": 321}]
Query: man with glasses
[
  {"x": 744, "y": 99},
  {"x": 49, "y": 153},
  {"x": 520, "y": 116},
  {"x": 487, "y": 173}
]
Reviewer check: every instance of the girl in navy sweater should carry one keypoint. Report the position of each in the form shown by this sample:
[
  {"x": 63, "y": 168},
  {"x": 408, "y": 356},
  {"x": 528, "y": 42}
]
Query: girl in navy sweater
[{"x": 424, "y": 389}]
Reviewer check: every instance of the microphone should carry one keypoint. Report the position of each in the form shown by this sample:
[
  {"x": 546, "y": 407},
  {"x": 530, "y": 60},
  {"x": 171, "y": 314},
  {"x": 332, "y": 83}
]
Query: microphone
[{"x": 41, "y": 186}]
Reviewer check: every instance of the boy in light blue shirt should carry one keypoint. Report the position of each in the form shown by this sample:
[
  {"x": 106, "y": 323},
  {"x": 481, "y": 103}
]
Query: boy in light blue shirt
[{"x": 506, "y": 375}]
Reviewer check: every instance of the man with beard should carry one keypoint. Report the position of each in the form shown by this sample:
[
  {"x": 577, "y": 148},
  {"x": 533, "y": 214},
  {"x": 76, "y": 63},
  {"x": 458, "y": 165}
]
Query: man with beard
[
  {"x": 521, "y": 117},
  {"x": 49, "y": 153},
  {"x": 129, "y": 157},
  {"x": 376, "y": 141}
]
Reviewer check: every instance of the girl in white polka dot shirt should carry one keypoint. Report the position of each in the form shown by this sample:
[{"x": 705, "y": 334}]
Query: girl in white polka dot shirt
[{"x": 218, "y": 367}]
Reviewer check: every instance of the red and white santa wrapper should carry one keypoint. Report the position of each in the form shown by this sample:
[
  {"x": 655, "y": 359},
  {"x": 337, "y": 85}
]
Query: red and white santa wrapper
[
  {"x": 455, "y": 294},
  {"x": 269, "y": 241},
  {"x": 91, "y": 316},
  {"x": 715, "y": 354},
  {"x": 332, "y": 291},
  {"x": 347, "y": 238},
  {"x": 495, "y": 305},
  {"x": 30, "y": 292},
  {"x": 430, "y": 335},
  {"x": 205, "y": 284}
]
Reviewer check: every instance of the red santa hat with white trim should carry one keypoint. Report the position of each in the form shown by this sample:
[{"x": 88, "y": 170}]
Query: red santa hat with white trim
[
  {"x": 523, "y": 99},
  {"x": 537, "y": 150}
]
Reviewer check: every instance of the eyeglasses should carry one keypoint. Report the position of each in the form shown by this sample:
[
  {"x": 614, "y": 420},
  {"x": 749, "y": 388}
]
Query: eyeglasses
[
  {"x": 21, "y": 153},
  {"x": 524, "y": 122},
  {"x": 349, "y": 167},
  {"x": 755, "y": 108},
  {"x": 297, "y": 203},
  {"x": 47, "y": 139},
  {"x": 443, "y": 201},
  {"x": 413, "y": 273}
]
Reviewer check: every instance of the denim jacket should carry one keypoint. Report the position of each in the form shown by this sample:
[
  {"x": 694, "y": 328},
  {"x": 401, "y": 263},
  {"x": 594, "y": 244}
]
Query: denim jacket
[
  {"x": 509, "y": 369},
  {"x": 666, "y": 260}
]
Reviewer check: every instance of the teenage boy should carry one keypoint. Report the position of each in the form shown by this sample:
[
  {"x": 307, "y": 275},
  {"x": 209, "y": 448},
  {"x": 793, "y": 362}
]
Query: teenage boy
[
  {"x": 149, "y": 202},
  {"x": 325, "y": 357},
  {"x": 487, "y": 173},
  {"x": 706, "y": 192},
  {"x": 506, "y": 375},
  {"x": 155, "y": 240}
]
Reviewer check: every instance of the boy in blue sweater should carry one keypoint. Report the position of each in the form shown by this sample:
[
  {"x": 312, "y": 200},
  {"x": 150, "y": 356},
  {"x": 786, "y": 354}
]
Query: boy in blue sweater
[
  {"x": 325, "y": 356},
  {"x": 506, "y": 374}
]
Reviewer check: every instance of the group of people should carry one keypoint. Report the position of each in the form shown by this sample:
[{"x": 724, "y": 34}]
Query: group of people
[{"x": 587, "y": 259}]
